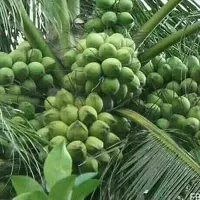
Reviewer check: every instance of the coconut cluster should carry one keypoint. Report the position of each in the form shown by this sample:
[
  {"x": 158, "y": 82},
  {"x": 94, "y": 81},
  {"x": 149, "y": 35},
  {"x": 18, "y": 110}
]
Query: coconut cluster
[
  {"x": 106, "y": 64},
  {"x": 81, "y": 124},
  {"x": 111, "y": 16},
  {"x": 25, "y": 70},
  {"x": 171, "y": 97}
]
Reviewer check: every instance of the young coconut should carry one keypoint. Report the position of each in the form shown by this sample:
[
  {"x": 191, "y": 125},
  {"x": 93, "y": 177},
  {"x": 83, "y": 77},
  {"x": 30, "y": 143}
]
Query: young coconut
[
  {"x": 36, "y": 70},
  {"x": 110, "y": 86},
  {"x": 90, "y": 165},
  {"x": 6, "y": 76},
  {"x": 44, "y": 133},
  {"x": 48, "y": 63},
  {"x": 49, "y": 102},
  {"x": 28, "y": 110},
  {"x": 107, "y": 50},
  {"x": 5, "y": 60},
  {"x": 34, "y": 55},
  {"x": 18, "y": 55},
  {"x": 51, "y": 115},
  {"x": 163, "y": 123},
  {"x": 57, "y": 128},
  {"x": 177, "y": 121},
  {"x": 28, "y": 87},
  {"x": 191, "y": 126},
  {"x": 94, "y": 145},
  {"x": 93, "y": 71}
]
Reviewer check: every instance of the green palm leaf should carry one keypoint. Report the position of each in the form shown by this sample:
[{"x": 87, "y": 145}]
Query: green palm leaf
[{"x": 154, "y": 167}]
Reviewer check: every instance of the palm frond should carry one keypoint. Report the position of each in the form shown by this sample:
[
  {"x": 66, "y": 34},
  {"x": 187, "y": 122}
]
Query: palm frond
[{"x": 154, "y": 167}]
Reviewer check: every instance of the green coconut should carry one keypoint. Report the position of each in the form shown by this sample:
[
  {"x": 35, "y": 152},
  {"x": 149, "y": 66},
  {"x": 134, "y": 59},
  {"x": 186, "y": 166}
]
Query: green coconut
[
  {"x": 175, "y": 86},
  {"x": 116, "y": 153},
  {"x": 93, "y": 71},
  {"x": 177, "y": 121},
  {"x": 121, "y": 93},
  {"x": 6, "y": 76},
  {"x": 141, "y": 76},
  {"x": 152, "y": 111},
  {"x": 20, "y": 70},
  {"x": 135, "y": 65},
  {"x": 195, "y": 73},
  {"x": 68, "y": 82},
  {"x": 80, "y": 59},
  {"x": 49, "y": 102},
  {"x": 130, "y": 43},
  {"x": 92, "y": 86},
  {"x": 191, "y": 61},
  {"x": 79, "y": 102},
  {"x": 158, "y": 61},
  {"x": 108, "y": 103},
  {"x": 166, "y": 110},
  {"x": 69, "y": 58},
  {"x": 111, "y": 67},
  {"x": 74, "y": 66},
  {"x": 107, "y": 118},
  {"x": 69, "y": 114},
  {"x": 34, "y": 55},
  {"x": 109, "y": 18},
  {"x": 48, "y": 63},
  {"x": 167, "y": 95},
  {"x": 18, "y": 120},
  {"x": 18, "y": 56},
  {"x": 151, "y": 98},
  {"x": 77, "y": 131},
  {"x": 194, "y": 112},
  {"x": 77, "y": 151},
  {"x": 163, "y": 123},
  {"x": 46, "y": 82},
  {"x": 5, "y": 60},
  {"x": 99, "y": 129},
  {"x": 44, "y": 133},
  {"x": 179, "y": 72},
  {"x": 36, "y": 124},
  {"x": 103, "y": 159},
  {"x": 107, "y": 50},
  {"x": 116, "y": 39},
  {"x": 36, "y": 70},
  {"x": 95, "y": 24},
  {"x": 14, "y": 90},
  {"x": 112, "y": 140},
  {"x": 63, "y": 97},
  {"x": 81, "y": 45},
  {"x": 95, "y": 101},
  {"x": 57, "y": 128},
  {"x": 147, "y": 68},
  {"x": 28, "y": 110},
  {"x": 165, "y": 71},
  {"x": 24, "y": 46},
  {"x": 94, "y": 145},
  {"x": 125, "y": 5},
  {"x": 87, "y": 114},
  {"x": 124, "y": 18},
  {"x": 155, "y": 80},
  {"x": 105, "y": 4},
  {"x": 124, "y": 56},
  {"x": 110, "y": 86},
  {"x": 180, "y": 105},
  {"x": 51, "y": 115},
  {"x": 134, "y": 85},
  {"x": 188, "y": 86},
  {"x": 90, "y": 55},
  {"x": 191, "y": 126},
  {"x": 90, "y": 165},
  {"x": 122, "y": 127},
  {"x": 193, "y": 98},
  {"x": 94, "y": 40},
  {"x": 57, "y": 141},
  {"x": 79, "y": 76},
  {"x": 28, "y": 87},
  {"x": 2, "y": 90},
  {"x": 173, "y": 61}
]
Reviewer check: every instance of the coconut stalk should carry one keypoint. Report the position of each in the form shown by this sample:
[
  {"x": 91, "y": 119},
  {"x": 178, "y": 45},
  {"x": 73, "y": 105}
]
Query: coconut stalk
[
  {"x": 169, "y": 41},
  {"x": 154, "y": 21},
  {"x": 160, "y": 135},
  {"x": 35, "y": 38}
]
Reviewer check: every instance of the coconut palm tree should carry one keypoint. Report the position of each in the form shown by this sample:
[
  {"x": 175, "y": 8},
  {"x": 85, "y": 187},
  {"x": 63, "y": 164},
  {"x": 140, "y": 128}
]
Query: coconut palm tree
[{"x": 155, "y": 166}]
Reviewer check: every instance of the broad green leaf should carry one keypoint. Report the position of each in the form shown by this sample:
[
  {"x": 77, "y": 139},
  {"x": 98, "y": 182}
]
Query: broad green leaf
[
  {"x": 62, "y": 190},
  {"x": 24, "y": 196},
  {"x": 84, "y": 177},
  {"x": 58, "y": 165},
  {"x": 38, "y": 195},
  {"x": 24, "y": 184},
  {"x": 84, "y": 189}
]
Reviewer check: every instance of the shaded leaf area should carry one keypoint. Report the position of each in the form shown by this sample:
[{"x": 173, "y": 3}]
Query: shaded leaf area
[{"x": 150, "y": 170}]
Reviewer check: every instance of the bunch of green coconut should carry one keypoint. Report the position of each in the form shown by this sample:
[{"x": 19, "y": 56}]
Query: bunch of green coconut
[
  {"x": 87, "y": 131},
  {"x": 25, "y": 71},
  {"x": 171, "y": 97},
  {"x": 111, "y": 16}
]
